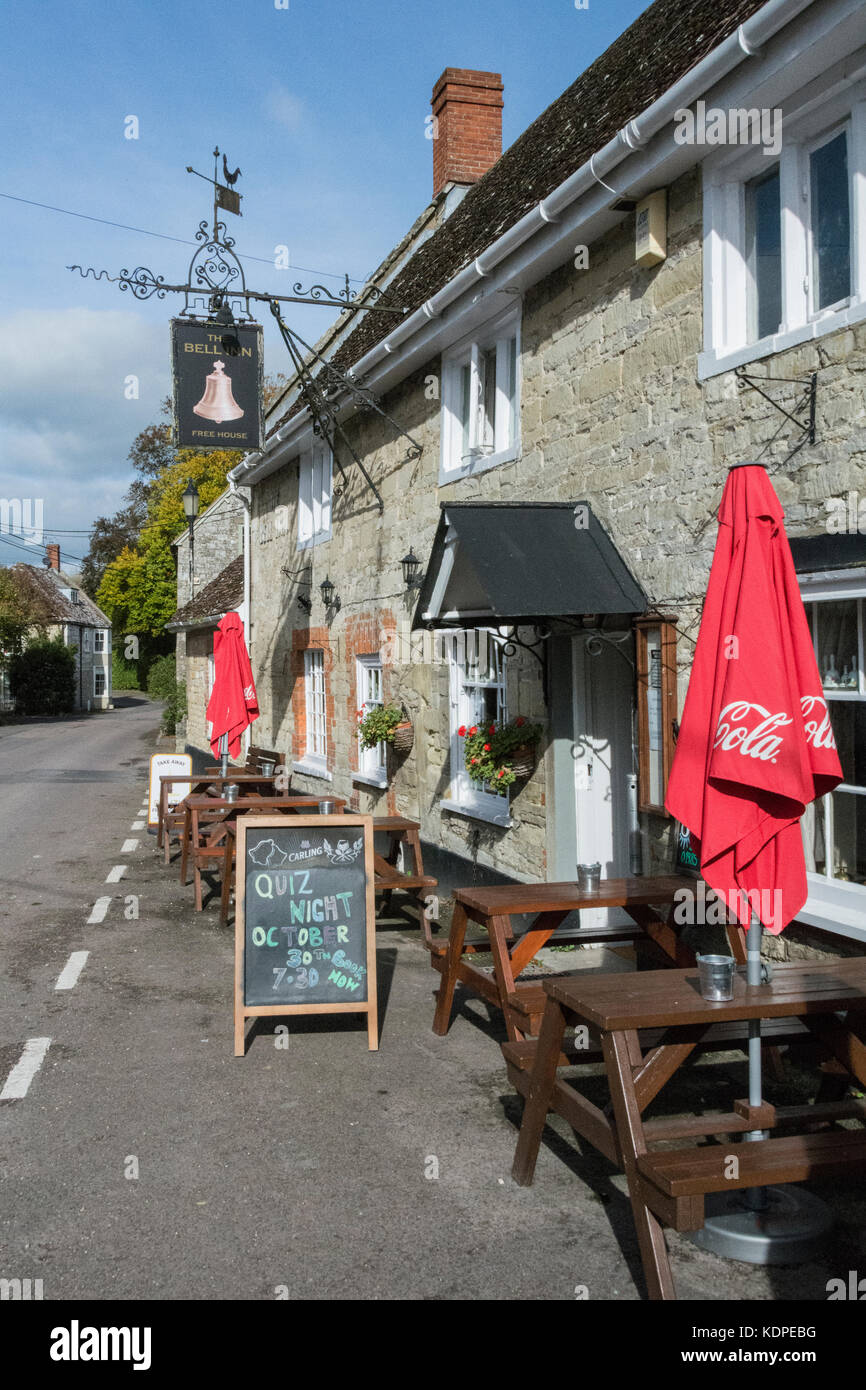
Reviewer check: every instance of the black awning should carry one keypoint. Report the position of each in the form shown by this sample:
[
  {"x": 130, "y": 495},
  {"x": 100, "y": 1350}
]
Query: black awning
[
  {"x": 814, "y": 554},
  {"x": 509, "y": 563}
]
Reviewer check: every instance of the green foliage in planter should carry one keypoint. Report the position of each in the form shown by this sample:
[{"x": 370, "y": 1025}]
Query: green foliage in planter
[
  {"x": 42, "y": 678},
  {"x": 378, "y": 724},
  {"x": 490, "y": 751}
]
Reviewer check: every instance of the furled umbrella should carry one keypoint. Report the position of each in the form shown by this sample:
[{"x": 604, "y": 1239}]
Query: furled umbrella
[
  {"x": 755, "y": 746},
  {"x": 233, "y": 704}
]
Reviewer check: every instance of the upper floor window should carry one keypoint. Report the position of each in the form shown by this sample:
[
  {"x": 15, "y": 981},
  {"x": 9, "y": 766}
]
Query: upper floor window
[
  {"x": 784, "y": 237},
  {"x": 86, "y": 639},
  {"x": 481, "y": 400},
  {"x": 314, "y": 495},
  {"x": 99, "y": 640}
]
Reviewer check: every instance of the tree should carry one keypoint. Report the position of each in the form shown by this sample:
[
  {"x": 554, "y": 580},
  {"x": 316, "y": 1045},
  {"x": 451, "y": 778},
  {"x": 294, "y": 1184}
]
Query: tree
[
  {"x": 138, "y": 590},
  {"x": 42, "y": 678}
]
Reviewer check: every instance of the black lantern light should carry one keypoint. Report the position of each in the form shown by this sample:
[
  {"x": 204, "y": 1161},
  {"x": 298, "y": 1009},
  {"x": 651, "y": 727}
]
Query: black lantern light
[
  {"x": 326, "y": 589},
  {"x": 225, "y": 322},
  {"x": 411, "y": 569}
]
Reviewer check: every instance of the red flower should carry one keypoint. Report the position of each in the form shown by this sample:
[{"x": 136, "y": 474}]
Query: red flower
[
  {"x": 501, "y": 772},
  {"x": 474, "y": 729},
  {"x": 461, "y": 732},
  {"x": 492, "y": 729},
  {"x": 473, "y": 760},
  {"x": 520, "y": 721},
  {"x": 487, "y": 747}
]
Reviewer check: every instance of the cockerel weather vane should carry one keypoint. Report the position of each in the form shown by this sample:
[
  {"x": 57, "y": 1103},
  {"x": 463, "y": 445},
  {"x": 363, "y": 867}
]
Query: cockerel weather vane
[{"x": 216, "y": 294}]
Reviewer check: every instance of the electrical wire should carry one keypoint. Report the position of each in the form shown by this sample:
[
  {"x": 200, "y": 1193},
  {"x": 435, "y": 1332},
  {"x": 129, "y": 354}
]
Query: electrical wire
[{"x": 163, "y": 236}]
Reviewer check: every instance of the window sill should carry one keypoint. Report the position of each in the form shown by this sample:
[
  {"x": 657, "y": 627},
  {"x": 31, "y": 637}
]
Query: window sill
[
  {"x": 713, "y": 364},
  {"x": 313, "y": 540},
  {"x": 481, "y": 465},
  {"x": 835, "y": 906},
  {"x": 380, "y": 782},
  {"x": 456, "y": 808},
  {"x": 313, "y": 770}
]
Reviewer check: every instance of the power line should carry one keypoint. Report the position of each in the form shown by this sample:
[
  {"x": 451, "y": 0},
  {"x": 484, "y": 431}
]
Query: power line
[
  {"x": 163, "y": 236},
  {"x": 32, "y": 550}
]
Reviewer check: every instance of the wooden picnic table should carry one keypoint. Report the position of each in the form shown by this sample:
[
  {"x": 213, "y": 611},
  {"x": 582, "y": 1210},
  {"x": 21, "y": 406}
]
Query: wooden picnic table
[
  {"x": 206, "y": 818},
  {"x": 387, "y": 876},
  {"x": 647, "y": 901},
  {"x": 198, "y": 786},
  {"x": 667, "y": 1187}
]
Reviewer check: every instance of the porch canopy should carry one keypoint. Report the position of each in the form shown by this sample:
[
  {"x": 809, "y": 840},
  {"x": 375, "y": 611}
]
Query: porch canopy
[{"x": 510, "y": 564}]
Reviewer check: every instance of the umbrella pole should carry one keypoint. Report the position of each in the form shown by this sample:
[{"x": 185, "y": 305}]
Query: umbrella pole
[
  {"x": 762, "y": 1225},
  {"x": 224, "y": 753}
]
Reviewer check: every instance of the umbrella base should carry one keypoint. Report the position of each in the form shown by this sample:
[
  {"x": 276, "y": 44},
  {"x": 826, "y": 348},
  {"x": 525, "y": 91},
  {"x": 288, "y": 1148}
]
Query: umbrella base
[{"x": 787, "y": 1230}]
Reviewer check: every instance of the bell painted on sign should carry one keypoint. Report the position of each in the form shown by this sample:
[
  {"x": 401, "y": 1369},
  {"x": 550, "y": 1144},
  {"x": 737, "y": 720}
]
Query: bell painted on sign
[{"x": 218, "y": 403}]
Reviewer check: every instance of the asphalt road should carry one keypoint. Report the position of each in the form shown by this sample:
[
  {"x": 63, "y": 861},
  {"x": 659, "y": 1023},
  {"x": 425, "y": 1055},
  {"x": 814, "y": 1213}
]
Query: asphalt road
[{"x": 145, "y": 1160}]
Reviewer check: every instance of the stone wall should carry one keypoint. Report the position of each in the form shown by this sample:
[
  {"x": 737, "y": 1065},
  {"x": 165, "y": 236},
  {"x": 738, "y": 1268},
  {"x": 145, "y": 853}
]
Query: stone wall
[{"x": 612, "y": 412}]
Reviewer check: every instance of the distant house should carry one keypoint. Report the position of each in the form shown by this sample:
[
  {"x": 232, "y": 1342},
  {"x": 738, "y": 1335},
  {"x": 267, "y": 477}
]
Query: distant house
[{"x": 66, "y": 611}]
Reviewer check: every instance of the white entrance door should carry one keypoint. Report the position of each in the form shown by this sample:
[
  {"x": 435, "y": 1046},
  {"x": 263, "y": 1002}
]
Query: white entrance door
[{"x": 602, "y": 750}]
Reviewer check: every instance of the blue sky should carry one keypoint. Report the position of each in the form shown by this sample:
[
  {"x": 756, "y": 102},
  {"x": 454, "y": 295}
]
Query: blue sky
[{"x": 321, "y": 104}]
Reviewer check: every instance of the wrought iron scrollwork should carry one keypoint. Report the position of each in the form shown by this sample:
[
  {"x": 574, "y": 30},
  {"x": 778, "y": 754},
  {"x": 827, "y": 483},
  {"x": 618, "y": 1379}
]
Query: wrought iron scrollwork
[{"x": 142, "y": 282}]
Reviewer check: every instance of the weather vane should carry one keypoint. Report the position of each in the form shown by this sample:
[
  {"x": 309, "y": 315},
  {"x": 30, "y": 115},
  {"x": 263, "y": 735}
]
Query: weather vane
[{"x": 216, "y": 292}]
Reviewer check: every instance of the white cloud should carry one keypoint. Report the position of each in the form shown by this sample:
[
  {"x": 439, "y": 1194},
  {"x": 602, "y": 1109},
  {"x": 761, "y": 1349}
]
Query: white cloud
[
  {"x": 65, "y": 424},
  {"x": 286, "y": 109}
]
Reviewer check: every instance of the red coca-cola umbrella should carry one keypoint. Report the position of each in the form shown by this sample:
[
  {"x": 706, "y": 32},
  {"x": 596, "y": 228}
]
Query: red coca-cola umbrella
[
  {"x": 755, "y": 745},
  {"x": 754, "y": 749},
  {"x": 233, "y": 704}
]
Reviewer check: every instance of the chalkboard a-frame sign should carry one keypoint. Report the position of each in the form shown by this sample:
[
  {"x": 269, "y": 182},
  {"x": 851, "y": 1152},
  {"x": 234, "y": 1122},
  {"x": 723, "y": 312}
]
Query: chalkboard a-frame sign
[{"x": 305, "y": 920}]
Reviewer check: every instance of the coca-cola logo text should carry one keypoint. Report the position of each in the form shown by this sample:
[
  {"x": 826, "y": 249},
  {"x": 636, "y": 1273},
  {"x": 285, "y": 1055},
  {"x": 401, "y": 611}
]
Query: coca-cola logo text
[{"x": 751, "y": 729}]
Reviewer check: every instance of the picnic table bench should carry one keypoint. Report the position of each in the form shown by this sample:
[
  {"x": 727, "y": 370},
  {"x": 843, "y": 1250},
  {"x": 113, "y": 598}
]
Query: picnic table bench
[
  {"x": 207, "y": 818},
  {"x": 647, "y": 901},
  {"x": 644, "y": 1026},
  {"x": 171, "y": 819},
  {"x": 387, "y": 876}
]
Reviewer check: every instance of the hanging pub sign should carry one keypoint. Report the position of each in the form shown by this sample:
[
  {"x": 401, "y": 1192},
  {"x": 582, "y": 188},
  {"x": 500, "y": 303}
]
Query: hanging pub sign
[
  {"x": 217, "y": 375},
  {"x": 305, "y": 921}
]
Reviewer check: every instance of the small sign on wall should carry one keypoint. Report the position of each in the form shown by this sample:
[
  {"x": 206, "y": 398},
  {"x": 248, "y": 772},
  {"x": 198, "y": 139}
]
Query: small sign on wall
[{"x": 650, "y": 229}]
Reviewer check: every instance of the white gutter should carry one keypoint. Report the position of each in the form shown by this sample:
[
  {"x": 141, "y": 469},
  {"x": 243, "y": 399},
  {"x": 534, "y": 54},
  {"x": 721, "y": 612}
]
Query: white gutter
[{"x": 745, "y": 42}]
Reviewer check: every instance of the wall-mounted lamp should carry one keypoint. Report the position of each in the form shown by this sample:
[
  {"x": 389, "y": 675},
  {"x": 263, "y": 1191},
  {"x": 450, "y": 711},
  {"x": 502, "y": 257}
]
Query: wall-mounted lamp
[
  {"x": 225, "y": 322},
  {"x": 411, "y": 567},
  {"x": 329, "y": 597}
]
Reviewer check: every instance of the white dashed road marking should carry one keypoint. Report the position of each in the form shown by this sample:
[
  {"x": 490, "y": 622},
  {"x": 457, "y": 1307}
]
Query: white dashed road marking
[
  {"x": 99, "y": 909},
  {"x": 68, "y": 977},
  {"x": 137, "y": 825},
  {"x": 128, "y": 846},
  {"x": 24, "y": 1070},
  {"x": 116, "y": 874}
]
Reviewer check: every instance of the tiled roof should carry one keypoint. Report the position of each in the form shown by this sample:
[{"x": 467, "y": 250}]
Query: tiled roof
[
  {"x": 659, "y": 48},
  {"x": 41, "y": 590},
  {"x": 218, "y": 597}
]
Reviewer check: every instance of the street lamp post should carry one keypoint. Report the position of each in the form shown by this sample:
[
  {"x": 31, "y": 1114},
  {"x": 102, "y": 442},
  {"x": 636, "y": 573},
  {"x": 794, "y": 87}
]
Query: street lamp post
[{"x": 190, "y": 507}]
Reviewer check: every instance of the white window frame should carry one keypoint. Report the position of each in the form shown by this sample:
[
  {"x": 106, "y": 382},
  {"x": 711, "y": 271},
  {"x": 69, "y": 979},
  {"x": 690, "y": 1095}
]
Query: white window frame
[
  {"x": 97, "y": 672},
  {"x": 315, "y": 483},
  {"x": 726, "y": 275},
  {"x": 465, "y": 797},
  {"x": 372, "y": 762},
  {"x": 315, "y": 757},
  {"x": 460, "y": 456},
  {"x": 837, "y": 905},
  {"x": 100, "y": 643},
  {"x": 85, "y": 640}
]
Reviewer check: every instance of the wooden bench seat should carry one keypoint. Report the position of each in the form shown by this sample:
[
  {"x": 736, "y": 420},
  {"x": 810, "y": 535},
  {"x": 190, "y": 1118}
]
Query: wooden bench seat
[
  {"x": 696, "y": 1170},
  {"x": 719, "y": 1038}
]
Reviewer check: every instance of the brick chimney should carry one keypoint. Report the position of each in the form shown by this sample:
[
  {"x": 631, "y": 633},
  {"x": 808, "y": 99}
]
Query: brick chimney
[
  {"x": 467, "y": 107},
  {"x": 53, "y": 552}
]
